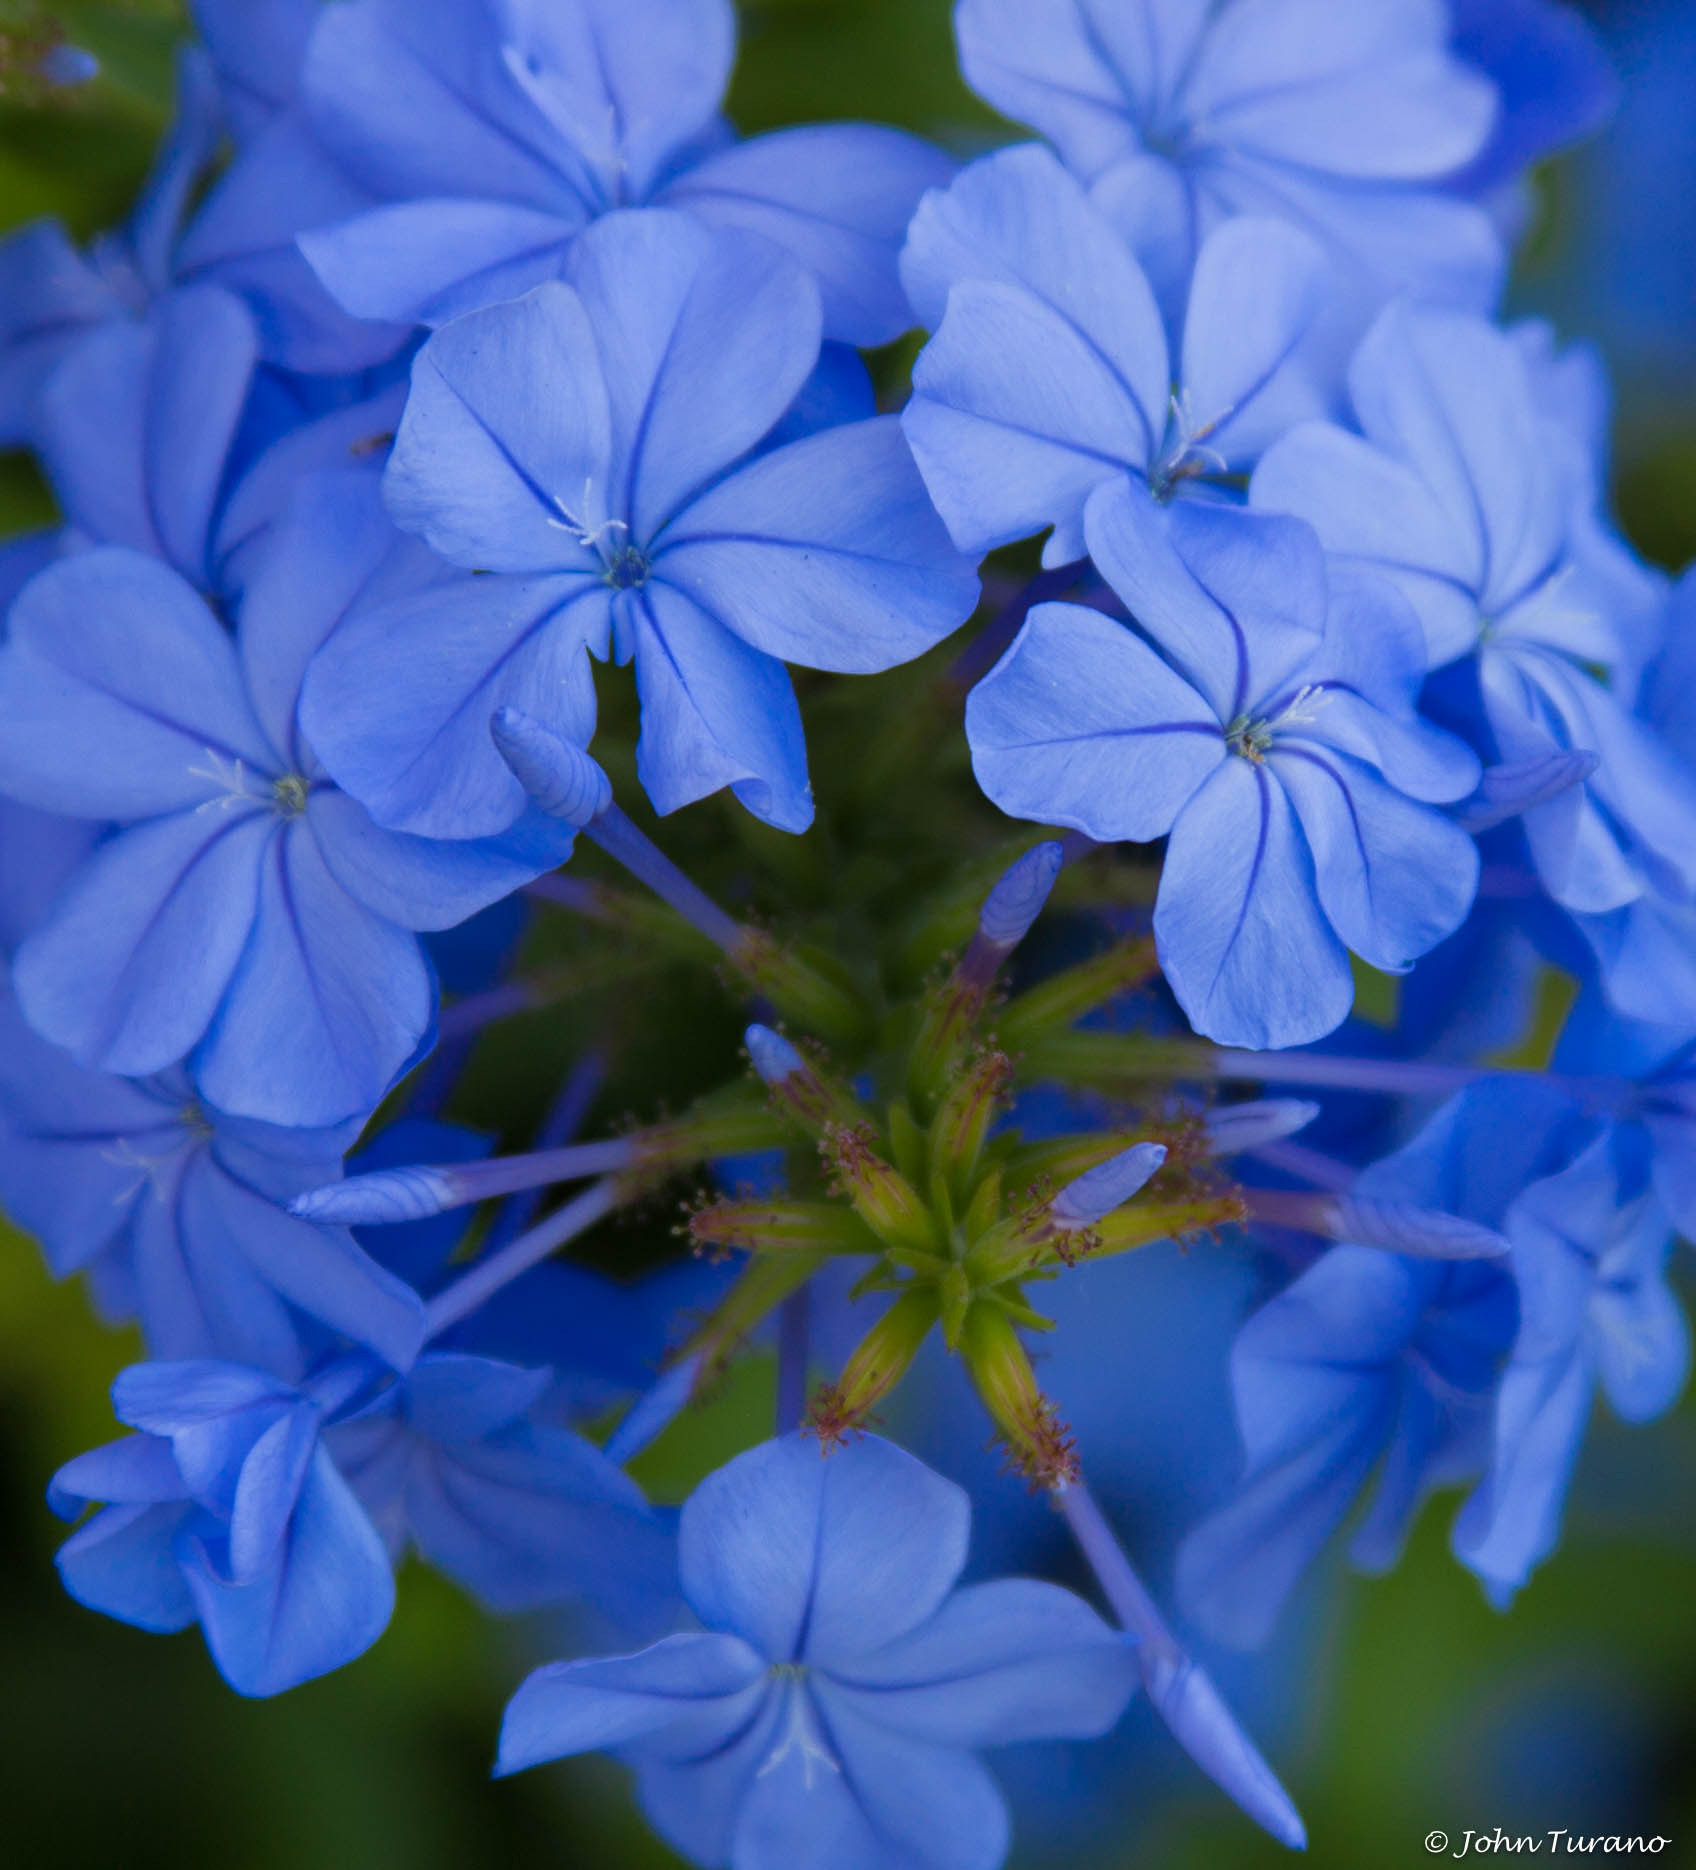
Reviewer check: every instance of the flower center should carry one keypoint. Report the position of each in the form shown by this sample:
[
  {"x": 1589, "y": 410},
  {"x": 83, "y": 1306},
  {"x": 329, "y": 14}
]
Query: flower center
[
  {"x": 627, "y": 569},
  {"x": 1250, "y": 738},
  {"x": 288, "y": 795}
]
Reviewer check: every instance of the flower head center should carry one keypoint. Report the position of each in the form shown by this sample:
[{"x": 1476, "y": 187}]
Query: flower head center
[
  {"x": 1250, "y": 738},
  {"x": 627, "y": 569},
  {"x": 288, "y": 795}
]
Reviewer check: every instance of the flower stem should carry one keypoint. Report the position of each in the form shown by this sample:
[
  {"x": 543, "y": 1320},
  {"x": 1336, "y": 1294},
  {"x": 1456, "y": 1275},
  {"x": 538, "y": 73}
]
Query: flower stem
[
  {"x": 489, "y": 1276},
  {"x": 794, "y": 1345}
]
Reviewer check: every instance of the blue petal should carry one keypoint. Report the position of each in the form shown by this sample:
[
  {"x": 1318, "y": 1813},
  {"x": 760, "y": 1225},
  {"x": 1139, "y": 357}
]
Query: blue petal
[
  {"x": 998, "y": 1663},
  {"x": 138, "y": 424},
  {"x": 838, "y": 197},
  {"x": 123, "y": 1564},
  {"x": 1451, "y": 395},
  {"x": 427, "y": 262},
  {"x": 397, "y": 704},
  {"x": 1241, "y": 938},
  {"x": 326, "y": 544},
  {"x": 821, "y": 1560},
  {"x": 1315, "y": 1392},
  {"x": 715, "y": 713},
  {"x": 827, "y": 553},
  {"x": 267, "y": 1490},
  {"x": 538, "y": 1518},
  {"x": 1368, "y": 505},
  {"x": 1083, "y": 75},
  {"x": 1238, "y": 601},
  {"x": 243, "y": 238},
  {"x": 1081, "y": 724},
  {"x": 627, "y": 85},
  {"x": 134, "y": 963},
  {"x": 412, "y": 98},
  {"x": 888, "y": 1802},
  {"x": 702, "y": 1682},
  {"x": 344, "y": 437},
  {"x": 327, "y": 1003},
  {"x": 49, "y": 298},
  {"x": 1257, "y": 289},
  {"x": 1017, "y": 418},
  {"x": 119, "y": 694},
  {"x": 431, "y": 883},
  {"x": 1394, "y": 877},
  {"x": 319, "y": 1270},
  {"x": 325, "y": 1598},
  {"x": 705, "y": 338},
  {"x": 503, "y": 458},
  {"x": 138, "y": 1470},
  {"x": 1556, "y": 83},
  {"x": 1370, "y": 93}
]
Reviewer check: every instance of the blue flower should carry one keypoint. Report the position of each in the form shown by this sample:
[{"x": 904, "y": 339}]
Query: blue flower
[
  {"x": 248, "y": 917},
  {"x": 489, "y": 133},
  {"x": 162, "y": 434},
  {"x": 594, "y": 438},
  {"x": 52, "y": 296},
  {"x": 1481, "y": 508},
  {"x": 1050, "y": 372},
  {"x": 824, "y": 1720},
  {"x": 1345, "y": 121},
  {"x": 1373, "y": 1357},
  {"x": 176, "y": 1213},
  {"x": 452, "y": 1460},
  {"x": 1276, "y": 743},
  {"x": 1590, "y": 1250},
  {"x": 226, "y": 1510}
]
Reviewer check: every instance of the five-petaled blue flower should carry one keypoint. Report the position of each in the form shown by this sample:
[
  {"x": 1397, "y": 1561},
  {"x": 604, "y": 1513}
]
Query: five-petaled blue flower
[
  {"x": 175, "y": 1211},
  {"x": 1264, "y": 718},
  {"x": 1345, "y": 120},
  {"x": 1051, "y": 371},
  {"x": 602, "y": 441},
  {"x": 249, "y": 917},
  {"x": 825, "y": 1719},
  {"x": 487, "y": 134}
]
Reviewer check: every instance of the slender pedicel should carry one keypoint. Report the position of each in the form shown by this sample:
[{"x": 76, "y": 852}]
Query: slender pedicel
[
  {"x": 1179, "y": 1688},
  {"x": 655, "y": 1410},
  {"x": 794, "y": 1347},
  {"x": 488, "y": 1277},
  {"x": 566, "y": 1116}
]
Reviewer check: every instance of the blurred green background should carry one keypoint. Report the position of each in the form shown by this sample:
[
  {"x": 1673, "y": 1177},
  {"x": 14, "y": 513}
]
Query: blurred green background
[{"x": 1412, "y": 1708}]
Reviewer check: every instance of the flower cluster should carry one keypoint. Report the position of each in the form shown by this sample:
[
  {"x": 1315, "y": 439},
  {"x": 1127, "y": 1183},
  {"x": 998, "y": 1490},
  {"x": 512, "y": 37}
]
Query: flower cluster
[{"x": 457, "y": 347}]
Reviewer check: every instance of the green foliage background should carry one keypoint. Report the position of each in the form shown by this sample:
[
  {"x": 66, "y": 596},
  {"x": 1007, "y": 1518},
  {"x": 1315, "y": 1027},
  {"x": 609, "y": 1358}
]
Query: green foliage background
[{"x": 1426, "y": 1710}]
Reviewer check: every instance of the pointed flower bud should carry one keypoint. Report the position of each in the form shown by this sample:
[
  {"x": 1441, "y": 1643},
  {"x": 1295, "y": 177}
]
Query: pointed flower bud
[
  {"x": 563, "y": 780},
  {"x": 1238, "y": 1127},
  {"x": 1095, "y": 1194},
  {"x": 774, "y": 1058},
  {"x": 1508, "y": 791},
  {"x": 1420, "y": 1233},
  {"x": 654, "y": 1411},
  {"x": 1020, "y": 897}
]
